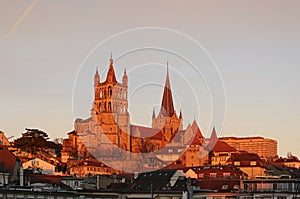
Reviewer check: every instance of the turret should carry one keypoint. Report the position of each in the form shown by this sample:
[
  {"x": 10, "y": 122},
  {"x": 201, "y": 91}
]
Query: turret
[
  {"x": 125, "y": 78},
  {"x": 96, "y": 78},
  {"x": 153, "y": 114}
]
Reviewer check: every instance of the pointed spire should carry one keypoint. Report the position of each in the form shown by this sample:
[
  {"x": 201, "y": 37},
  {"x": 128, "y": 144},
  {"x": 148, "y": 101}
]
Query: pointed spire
[
  {"x": 180, "y": 115},
  {"x": 125, "y": 78},
  {"x": 96, "y": 78},
  {"x": 111, "y": 77},
  {"x": 111, "y": 59},
  {"x": 153, "y": 114},
  {"x": 213, "y": 138},
  {"x": 167, "y": 107},
  {"x": 196, "y": 129}
]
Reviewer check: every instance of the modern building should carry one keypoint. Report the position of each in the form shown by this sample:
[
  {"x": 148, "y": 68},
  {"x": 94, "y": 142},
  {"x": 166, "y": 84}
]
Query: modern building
[{"x": 264, "y": 147}]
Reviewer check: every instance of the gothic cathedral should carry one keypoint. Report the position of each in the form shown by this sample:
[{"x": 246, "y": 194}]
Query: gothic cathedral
[{"x": 110, "y": 119}]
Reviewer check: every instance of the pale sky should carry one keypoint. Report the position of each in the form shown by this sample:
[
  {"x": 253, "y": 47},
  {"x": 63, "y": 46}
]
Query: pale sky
[{"x": 255, "y": 45}]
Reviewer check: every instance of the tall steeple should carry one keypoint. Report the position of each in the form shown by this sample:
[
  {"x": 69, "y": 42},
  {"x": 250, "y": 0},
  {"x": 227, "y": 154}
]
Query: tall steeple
[
  {"x": 125, "y": 78},
  {"x": 153, "y": 113},
  {"x": 111, "y": 77},
  {"x": 96, "y": 78},
  {"x": 167, "y": 107}
]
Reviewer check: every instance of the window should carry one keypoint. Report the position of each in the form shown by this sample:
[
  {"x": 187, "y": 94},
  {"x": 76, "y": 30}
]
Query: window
[
  {"x": 226, "y": 174},
  {"x": 253, "y": 163},
  {"x": 213, "y": 175},
  {"x": 121, "y": 94},
  {"x": 200, "y": 175},
  {"x": 109, "y": 91},
  {"x": 237, "y": 163}
]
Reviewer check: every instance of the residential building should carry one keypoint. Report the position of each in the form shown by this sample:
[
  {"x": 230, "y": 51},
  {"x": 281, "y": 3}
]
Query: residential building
[
  {"x": 249, "y": 163},
  {"x": 3, "y": 139},
  {"x": 11, "y": 171},
  {"x": 43, "y": 166}
]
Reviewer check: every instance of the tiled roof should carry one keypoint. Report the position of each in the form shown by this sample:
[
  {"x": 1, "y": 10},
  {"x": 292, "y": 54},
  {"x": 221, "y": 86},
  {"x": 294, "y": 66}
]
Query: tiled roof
[
  {"x": 220, "y": 185},
  {"x": 240, "y": 138},
  {"x": 221, "y": 146},
  {"x": 196, "y": 141},
  {"x": 146, "y": 132},
  {"x": 158, "y": 179},
  {"x": 111, "y": 72},
  {"x": 225, "y": 168},
  {"x": 245, "y": 156},
  {"x": 7, "y": 160},
  {"x": 196, "y": 129},
  {"x": 245, "y": 159},
  {"x": 50, "y": 179},
  {"x": 90, "y": 163},
  {"x": 72, "y": 132}
]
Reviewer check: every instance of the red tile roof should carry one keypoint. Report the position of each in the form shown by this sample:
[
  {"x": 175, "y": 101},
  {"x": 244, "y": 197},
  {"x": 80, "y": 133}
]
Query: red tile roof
[
  {"x": 111, "y": 73},
  {"x": 218, "y": 185},
  {"x": 245, "y": 156},
  {"x": 7, "y": 160},
  {"x": 221, "y": 146},
  {"x": 146, "y": 132},
  {"x": 196, "y": 129}
]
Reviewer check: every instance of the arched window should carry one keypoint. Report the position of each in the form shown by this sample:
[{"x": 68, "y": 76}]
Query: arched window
[
  {"x": 121, "y": 108},
  {"x": 100, "y": 94},
  {"x": 125, "y": 109},
  {"x": 100, "y": 107},
  {"x": 104, "y": 93},
  {"x": 109, "y": 91},
  {"x": 104, "y": 105},
  {"x": 109, "y": 106},
  {"x": 125, "y": 94},
  {"x": 121, "y": 94}
]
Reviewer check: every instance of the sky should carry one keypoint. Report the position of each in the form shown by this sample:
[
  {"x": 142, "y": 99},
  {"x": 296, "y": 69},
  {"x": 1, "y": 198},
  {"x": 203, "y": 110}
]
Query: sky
[{"x": 247, "y": 63}]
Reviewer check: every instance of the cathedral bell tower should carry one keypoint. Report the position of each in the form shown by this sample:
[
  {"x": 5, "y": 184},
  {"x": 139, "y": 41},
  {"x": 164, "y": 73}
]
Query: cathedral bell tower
[
  {"x": 111, "y": 107},
  {"x": 167, "y": 119}
]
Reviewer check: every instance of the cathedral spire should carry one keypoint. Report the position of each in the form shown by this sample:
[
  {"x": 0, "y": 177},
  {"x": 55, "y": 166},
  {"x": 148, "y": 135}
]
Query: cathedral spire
[
  {"x": 125, "y": 78},
  {"x": 153, "y": 114},
  {"x": 96, "y": 78},
  {"x": 111, "y": 77},
  {"x": 167, "y": 107}
]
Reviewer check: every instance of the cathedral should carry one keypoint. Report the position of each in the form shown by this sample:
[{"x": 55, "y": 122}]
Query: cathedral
[{"x": 110, "y": 120}]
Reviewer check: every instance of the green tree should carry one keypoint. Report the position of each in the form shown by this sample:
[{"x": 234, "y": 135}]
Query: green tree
[{"x": 33, "y": 141}]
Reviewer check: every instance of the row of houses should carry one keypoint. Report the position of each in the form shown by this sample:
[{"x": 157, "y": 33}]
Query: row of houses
[{"x": 157, "y": 184}]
